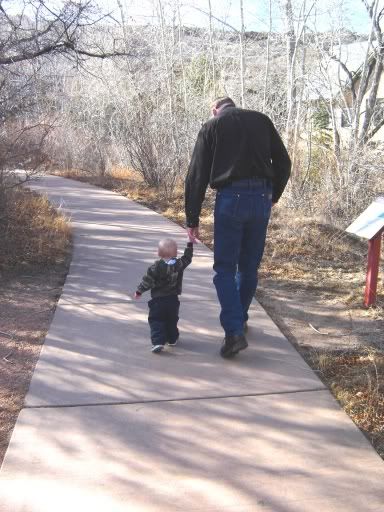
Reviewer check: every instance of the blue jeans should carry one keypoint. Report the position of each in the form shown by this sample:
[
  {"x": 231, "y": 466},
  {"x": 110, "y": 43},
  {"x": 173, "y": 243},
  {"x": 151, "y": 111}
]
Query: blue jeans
[
  {"x": 242, "y": 213},
  {"x": 163, "y": 317}
]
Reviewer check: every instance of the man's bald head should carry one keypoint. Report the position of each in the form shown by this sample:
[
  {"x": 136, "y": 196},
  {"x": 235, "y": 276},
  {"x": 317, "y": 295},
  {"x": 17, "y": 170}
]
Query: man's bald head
[{"x": 220, "y": 103}]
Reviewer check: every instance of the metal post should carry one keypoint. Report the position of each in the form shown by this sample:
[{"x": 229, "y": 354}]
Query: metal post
[{"x": 374, "y": 246}]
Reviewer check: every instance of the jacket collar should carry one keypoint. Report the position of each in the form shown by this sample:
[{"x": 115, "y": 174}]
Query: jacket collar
[{"x": 224, "y": 108}]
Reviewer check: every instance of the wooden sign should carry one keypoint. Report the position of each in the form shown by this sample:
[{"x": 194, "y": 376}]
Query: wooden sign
[
  {"x": 370, "y": 222},
  {"x": 370, "y": 225}
]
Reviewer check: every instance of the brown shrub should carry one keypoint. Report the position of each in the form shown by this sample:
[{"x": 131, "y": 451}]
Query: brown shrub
[{"x": 31, "y": 230}]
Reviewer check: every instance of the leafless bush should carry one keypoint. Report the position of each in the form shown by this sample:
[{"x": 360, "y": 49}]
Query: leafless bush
[
  {"x": 74, "y": 148},
  {"x": 22, "y": 147},
  {"x": 321, "y": 187},
  {"x": 150, "y": 149}
]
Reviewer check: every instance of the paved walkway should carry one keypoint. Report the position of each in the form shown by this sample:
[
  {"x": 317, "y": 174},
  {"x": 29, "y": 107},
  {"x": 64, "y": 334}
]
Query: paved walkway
[{"x": 108, "y": 426}]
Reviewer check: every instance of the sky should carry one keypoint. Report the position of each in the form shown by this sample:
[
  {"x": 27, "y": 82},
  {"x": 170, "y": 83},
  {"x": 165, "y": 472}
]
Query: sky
[{"x": 325, "y": 13}]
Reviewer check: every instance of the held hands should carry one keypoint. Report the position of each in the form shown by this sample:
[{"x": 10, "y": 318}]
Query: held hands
[
  {"x": 137, "y": 295},
  {"x": 193, "y": 234}
]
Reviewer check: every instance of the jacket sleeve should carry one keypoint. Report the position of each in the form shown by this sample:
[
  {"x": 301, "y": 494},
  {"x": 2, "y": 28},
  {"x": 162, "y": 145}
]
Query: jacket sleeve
[
  {"x": 197, "y": 178},
  {"x": 186, "y": 259},
  {"x": 281, "y": 164},
  {"x": 149, "y": 280}
]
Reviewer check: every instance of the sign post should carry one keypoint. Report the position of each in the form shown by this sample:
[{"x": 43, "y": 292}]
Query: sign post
[
  {"x": 370, "y": 225},
  {"x": 374, "y": 247}
]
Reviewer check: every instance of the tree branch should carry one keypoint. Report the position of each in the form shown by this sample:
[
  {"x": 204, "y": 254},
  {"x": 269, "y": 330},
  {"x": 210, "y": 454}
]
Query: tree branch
[
  {"x": 52, "y": 32},
  {"x": 348, "y": 73}
]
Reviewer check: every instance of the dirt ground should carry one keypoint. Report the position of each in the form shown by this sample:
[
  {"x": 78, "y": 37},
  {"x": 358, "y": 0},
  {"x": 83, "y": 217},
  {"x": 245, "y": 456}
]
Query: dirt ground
[
  {"x": 28, "y": 300},
  {"x": 317, "y": 307},
  {"x": 344, "y": 346},
  {"x": 35, "y": 253}
]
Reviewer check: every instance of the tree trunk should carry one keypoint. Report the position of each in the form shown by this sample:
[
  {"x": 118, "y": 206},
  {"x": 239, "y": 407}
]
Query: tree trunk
[
  {"x": 242, "y": 57},
  {"x": 291, "y": 75},
  {"x": 267, "y": 63}
]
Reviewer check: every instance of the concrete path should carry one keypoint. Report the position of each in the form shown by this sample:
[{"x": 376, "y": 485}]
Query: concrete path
[{"x": 108, "y": 426}]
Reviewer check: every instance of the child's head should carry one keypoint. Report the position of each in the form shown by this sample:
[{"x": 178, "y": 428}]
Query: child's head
[{"x": 167, "y": 248}]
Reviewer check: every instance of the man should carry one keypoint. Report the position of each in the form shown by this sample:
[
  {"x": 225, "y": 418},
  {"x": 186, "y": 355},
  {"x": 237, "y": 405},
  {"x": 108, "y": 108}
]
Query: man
[{"x": 239, "y": 153}]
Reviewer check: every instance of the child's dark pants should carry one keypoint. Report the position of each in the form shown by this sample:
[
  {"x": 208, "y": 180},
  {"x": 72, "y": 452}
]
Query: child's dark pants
[{"x": 163, "y": 317}]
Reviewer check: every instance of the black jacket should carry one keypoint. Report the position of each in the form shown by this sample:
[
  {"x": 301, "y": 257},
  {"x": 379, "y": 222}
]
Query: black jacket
[
  {"x": 164, "y": 278},
  {"x": 236, "y": 144}
]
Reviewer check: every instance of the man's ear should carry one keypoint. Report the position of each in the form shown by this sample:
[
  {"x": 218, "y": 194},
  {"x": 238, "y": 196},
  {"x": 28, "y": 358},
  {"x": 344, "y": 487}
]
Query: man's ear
[{"x": 214, "y": 112}]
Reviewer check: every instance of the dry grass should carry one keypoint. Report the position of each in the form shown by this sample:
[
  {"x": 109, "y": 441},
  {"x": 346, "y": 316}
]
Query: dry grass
[
  {"x": 356, "y": 379},
  {"x": 33, "y": 233},
  {"x": 325, "y": 258}
]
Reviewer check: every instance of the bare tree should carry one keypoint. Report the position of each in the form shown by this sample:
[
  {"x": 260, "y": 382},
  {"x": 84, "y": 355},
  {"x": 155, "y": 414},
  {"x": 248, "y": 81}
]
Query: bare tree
[
  {"x": 355, "y": 114},
  {"x": 41, "y": 29},
  {"x": 370, "y": 78},
  {"x": 268, "y": 56},
  {"x": 241, "y": 41},
  {"x": 38, "y": 31},
  {"x": 242, "y": 56},
  {"x": 295, "y": 43}
]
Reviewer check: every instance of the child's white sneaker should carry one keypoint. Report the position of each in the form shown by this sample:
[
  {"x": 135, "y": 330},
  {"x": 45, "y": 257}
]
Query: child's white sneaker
[{"x": 157, "y": 348}]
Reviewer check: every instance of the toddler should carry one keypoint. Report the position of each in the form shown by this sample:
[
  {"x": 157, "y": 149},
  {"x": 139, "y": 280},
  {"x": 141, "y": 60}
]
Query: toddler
[{"x": 164, "y": 279}]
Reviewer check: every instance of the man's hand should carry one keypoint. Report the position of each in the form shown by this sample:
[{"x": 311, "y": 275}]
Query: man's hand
[
  {"x": 193, "y": 234},
  {"x": 137, "y": 295}
]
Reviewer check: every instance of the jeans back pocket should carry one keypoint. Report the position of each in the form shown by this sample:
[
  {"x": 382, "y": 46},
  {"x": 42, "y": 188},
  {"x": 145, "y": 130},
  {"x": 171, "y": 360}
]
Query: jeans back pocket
[{"x": 227, "y": 204}]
